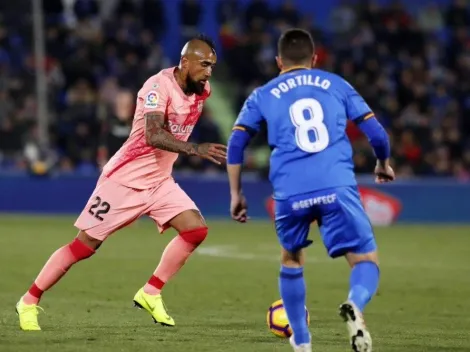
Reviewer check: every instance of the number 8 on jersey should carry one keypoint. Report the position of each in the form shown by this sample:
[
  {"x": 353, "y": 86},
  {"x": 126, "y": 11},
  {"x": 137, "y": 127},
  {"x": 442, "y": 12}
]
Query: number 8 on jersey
[{"x": 304, "y": 125}]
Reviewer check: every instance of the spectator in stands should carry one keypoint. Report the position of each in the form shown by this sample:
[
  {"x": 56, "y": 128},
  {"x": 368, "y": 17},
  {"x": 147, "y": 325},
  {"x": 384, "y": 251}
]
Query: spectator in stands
[
  {"x": 190, "y": 15},
  {"x": 414, "y": 71},
  {"x": 116, "y": 125},
  {"x": 401, "y": 68}
]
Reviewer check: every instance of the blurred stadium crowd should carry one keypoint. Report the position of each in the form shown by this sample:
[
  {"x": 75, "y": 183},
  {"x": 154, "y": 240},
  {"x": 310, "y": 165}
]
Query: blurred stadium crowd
[{"x": 412, "y": 68}]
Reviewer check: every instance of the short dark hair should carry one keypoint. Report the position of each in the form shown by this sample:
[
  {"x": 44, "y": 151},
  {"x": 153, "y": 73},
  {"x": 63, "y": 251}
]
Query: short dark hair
[
  {"x": 296, "y": 46},
  {"x": 206, "y": 39}
]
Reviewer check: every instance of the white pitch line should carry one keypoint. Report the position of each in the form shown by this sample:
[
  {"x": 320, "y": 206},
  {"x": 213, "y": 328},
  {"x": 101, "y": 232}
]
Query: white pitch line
[{"x": 234, "y": 252}]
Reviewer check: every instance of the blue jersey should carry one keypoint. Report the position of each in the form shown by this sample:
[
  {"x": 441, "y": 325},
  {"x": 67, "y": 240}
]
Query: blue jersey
[{"x": 306, "y": 113}]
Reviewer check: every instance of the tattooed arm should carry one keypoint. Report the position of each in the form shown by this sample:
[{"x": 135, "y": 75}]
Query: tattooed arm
[{"x": 157, "y": 137}]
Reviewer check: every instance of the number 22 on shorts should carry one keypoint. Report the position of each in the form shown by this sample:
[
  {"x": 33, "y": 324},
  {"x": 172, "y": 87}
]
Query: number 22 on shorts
[
  {"x": 315, "y": 124},
  {"x": 101, "y": 208}
]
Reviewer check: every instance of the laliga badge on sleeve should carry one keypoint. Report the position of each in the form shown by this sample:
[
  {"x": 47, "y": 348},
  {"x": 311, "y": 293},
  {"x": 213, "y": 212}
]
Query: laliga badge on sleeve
[{"x": 151, "y": 99}]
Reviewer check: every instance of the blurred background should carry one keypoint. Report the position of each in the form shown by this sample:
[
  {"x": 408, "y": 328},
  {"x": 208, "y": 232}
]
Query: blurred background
[{"x": 70, "y": 70}]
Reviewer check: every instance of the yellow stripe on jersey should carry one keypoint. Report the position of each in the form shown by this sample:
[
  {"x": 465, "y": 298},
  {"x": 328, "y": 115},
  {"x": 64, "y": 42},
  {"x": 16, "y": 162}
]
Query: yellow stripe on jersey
[
  {"x": 368, "y": 116},
  {"x": 240, "y": 128},
  {"x": 294, "y": 68}
]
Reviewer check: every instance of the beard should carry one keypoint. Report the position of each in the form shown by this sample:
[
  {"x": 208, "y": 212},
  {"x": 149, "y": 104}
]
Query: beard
[{"x": 196, "y": 87}]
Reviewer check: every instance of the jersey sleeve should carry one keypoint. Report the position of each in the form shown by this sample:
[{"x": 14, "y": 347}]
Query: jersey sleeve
[
  {"x": 356, "y": 107},
  {"x": 249, "y": 119},
  {"x": 154, "y": 96}
]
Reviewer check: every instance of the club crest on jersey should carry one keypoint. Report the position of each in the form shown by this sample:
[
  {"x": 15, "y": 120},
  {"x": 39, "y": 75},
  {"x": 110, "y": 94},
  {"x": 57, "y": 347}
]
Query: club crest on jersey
[{"x": 151, "y": 100}]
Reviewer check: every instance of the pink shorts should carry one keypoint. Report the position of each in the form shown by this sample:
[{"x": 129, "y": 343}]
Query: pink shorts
[{"x": 113, "y": 206}]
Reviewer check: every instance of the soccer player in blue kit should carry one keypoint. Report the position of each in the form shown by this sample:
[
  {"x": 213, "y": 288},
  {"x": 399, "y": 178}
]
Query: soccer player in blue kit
[{"x": 312, "y": 174}]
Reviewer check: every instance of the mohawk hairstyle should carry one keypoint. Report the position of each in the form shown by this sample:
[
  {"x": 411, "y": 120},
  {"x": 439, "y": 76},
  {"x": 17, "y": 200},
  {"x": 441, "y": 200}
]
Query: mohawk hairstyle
[{"x": 206, "y": 39}]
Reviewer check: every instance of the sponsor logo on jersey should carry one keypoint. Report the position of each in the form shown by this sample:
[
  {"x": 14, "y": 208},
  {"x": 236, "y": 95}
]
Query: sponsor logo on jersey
[
  {"x": 310, "y": 202},
  {"x": 381, "y": 208},
  {"x": 176, "y": 128},
  {"x": 271, "y": 206}
]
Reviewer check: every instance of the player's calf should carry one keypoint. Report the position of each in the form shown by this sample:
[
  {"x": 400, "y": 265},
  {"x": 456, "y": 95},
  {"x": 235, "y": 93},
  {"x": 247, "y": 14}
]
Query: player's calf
[
  {"x": 58, "y": 265},
  {"x": 293, "y": 291},
  {"x": 364, "y": 282},
  {"x": 55, "y": 268},
  {"x": 192, "y": 231},
  {"x": 191, "y": 235},
  {"x": 364, "y": 279},
  {"x": 174, "y": 257}
]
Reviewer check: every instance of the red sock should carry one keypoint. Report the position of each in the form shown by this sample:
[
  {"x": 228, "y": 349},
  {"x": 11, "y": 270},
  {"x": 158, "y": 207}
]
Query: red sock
[
  {"x": 56, "y": 267},
  {"x": 173, "y": 258}
]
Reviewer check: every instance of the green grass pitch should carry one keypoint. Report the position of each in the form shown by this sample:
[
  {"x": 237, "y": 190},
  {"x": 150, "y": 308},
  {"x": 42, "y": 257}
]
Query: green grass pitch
[{"x": 219, "y": 300}]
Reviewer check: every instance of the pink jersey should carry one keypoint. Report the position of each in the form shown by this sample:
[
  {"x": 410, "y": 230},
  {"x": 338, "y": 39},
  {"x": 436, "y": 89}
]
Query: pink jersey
[{"x": 138, "y": 165}]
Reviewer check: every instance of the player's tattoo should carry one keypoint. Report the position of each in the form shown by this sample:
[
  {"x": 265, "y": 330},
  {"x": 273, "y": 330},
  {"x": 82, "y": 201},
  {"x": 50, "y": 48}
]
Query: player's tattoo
[
  {"x": 158, "y": 137},
  {"x": 202, "y": 149}
]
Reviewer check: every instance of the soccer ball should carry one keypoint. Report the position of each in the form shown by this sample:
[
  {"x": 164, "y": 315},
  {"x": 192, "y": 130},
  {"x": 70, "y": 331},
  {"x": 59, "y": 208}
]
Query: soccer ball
[{"x": 277, "y": 320}]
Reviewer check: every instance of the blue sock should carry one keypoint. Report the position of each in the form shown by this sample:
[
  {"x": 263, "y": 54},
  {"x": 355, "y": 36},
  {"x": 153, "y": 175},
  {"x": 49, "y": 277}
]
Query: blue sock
[
  {"x": 363, "y": 283},
  {"x": 292, "y": 289}
]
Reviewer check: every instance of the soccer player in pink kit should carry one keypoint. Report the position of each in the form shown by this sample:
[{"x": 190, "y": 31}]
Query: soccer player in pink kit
[{"x": 137, "y": 181}]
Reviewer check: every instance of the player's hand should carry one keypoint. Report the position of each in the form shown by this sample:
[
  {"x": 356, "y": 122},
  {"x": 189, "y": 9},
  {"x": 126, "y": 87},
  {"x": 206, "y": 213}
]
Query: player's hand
[
  {"x": 212, "y": 151},
  {"x": 239, "y": 208},
  {"x": 384, "y": 172}
]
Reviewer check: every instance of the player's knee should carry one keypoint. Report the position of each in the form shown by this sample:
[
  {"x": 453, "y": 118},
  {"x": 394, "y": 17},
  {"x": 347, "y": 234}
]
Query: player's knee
[
  {"x": 355, "y": 258},
  {"x": 292, "y": 259},
  {"x": 89, "y": 241},
  {"x": 195, "y": 236},
  {"x": 80, "y": 250}
]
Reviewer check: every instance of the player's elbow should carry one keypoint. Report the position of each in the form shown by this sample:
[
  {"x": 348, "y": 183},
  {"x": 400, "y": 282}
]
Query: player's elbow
[
  {"x": 380, "y": 137},
  {"x": 374, "y": 131},
  {"x": 235, "y": 155},
  {"x": 152, "y": 138},
  {"x": 236, "y": 147},
  {"x": 381, "y": 144},
  {"x": 153, "y": 128}
]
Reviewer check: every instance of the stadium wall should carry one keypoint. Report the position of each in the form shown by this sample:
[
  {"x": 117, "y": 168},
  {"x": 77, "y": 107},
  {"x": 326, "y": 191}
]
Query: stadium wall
[{"x": 417, "y": 201}]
